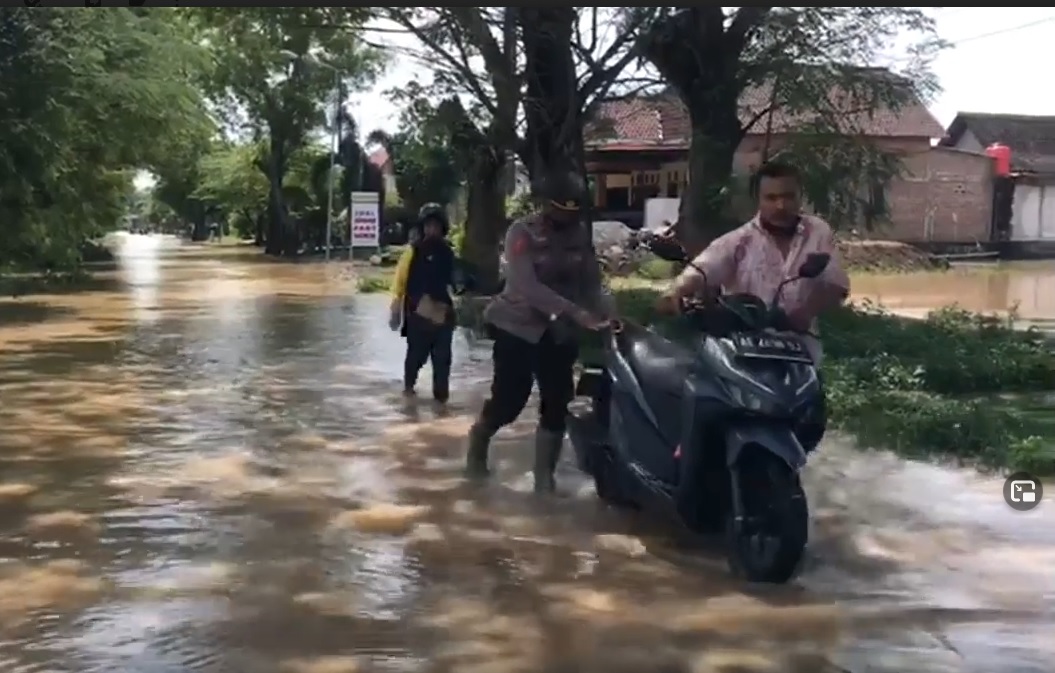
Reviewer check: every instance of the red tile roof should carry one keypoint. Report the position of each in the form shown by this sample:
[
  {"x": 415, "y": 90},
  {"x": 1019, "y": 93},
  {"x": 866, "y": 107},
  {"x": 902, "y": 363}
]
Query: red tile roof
[{"x": 663, "y": 121}]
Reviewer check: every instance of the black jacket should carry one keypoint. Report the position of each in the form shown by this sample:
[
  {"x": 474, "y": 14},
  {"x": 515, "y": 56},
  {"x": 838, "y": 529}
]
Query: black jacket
[{"x": 431, "y": 273}]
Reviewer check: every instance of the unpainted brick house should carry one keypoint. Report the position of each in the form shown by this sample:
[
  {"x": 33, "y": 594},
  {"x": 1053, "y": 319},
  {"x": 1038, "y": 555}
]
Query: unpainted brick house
[{"x": 944, "y": 195}]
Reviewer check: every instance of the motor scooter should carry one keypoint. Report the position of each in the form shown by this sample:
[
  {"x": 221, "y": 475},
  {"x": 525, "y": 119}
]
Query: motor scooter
[{"x": 711, "y": 430}]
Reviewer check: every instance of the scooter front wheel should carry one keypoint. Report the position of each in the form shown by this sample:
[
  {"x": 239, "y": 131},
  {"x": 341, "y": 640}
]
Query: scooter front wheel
[
  {"x": 606, "y": 481},
  {"x": 769, "y": 542}
]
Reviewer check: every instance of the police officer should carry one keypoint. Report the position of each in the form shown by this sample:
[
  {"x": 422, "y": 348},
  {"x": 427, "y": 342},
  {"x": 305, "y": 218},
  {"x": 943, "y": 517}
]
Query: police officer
[
  {"x": 553, "y": 285},
  {"x": 424, "y": 277}
]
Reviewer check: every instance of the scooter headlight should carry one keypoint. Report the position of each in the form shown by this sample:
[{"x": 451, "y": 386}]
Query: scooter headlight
[{"x": 748, "y": 399}]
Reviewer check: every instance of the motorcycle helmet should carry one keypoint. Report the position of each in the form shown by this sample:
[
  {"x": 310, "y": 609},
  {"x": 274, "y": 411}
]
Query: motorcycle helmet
[{"x": 433, "y": 211}]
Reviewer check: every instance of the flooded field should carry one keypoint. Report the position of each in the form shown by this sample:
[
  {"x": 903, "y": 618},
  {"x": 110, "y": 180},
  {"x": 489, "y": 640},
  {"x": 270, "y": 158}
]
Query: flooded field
[
  {"x": 1027, "y": 288},
  {"x": 207, "y": 467}
]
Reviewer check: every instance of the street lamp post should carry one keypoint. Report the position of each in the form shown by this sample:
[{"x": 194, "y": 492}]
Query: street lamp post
[{"x": 334, "y": 139}]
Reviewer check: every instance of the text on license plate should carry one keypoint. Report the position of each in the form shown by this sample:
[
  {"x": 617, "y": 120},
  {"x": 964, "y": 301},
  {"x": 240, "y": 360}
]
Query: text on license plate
[{"x": 750, "y": 343}]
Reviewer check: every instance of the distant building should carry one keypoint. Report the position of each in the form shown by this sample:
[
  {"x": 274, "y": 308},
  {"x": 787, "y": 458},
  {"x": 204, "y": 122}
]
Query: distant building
[
  {"x": 639, "y": 150},
  {"x": 1031, "y": 140}
]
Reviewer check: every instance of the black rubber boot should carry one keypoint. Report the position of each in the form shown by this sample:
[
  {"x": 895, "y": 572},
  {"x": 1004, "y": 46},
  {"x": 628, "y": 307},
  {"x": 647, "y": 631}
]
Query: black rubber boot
[
  {"x": 548, "y": 446},
  {"x": 476, "y": 456}
]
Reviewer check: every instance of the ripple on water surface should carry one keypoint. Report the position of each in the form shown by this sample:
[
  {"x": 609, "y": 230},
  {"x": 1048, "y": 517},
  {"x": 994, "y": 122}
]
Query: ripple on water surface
[{"x": 207, "y": 469}]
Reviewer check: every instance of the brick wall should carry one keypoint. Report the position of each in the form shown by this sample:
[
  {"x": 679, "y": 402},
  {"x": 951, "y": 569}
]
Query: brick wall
[{"x": 945, "y": 196}]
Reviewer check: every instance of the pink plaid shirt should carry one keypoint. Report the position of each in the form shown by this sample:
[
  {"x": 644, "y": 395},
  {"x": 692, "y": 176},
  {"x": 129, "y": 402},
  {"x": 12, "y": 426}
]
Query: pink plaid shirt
[{"x": 748, "y": 260}]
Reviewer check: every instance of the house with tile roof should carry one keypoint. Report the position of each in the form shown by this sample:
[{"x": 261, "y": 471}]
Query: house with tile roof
[
  {"x": 1031, "y": 140},
  {"x": 638, "y": 149}
]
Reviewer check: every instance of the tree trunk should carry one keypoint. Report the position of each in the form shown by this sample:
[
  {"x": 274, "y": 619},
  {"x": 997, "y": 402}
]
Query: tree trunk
[
  {"x": 703, "y": 214},
  {"x": 552, "y": 106},
  {"x": 699, "y": 55},
  {"x": 486, "y": 221},
  {"x": 200, "y": 228},
  {"x": 281, "y": 239}
]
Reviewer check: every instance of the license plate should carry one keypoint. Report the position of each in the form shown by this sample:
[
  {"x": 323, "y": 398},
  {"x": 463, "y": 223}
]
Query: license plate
[{"x": 767, "y": 346}]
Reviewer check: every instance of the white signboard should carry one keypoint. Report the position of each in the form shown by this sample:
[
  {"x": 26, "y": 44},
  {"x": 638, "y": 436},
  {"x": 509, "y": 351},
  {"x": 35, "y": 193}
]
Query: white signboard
[{"x": 365, "y": 214}]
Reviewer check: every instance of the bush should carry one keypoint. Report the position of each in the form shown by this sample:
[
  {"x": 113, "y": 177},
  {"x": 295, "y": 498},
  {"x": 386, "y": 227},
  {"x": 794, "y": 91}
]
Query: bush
[
  {"x": 952, "y": 351},
  {"x": 656, "y": 269}
]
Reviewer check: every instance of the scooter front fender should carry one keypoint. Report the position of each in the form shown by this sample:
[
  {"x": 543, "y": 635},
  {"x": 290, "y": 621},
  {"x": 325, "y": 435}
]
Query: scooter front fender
[{"x": 776, "y": 439}]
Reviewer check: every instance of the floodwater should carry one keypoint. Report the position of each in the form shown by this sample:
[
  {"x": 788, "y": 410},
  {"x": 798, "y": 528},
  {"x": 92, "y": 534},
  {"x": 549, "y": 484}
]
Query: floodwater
[
  {"x": 206, "y": 468},
  {"x": 1027, "y": 289}
]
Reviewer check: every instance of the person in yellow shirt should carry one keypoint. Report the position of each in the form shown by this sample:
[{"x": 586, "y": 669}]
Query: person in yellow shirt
[
  {"x": 421, "y": 301},
  {"x": 399, "y": 281}
]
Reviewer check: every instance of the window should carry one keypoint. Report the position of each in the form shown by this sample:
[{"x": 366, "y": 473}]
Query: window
[{"x": 674, "y": 183}]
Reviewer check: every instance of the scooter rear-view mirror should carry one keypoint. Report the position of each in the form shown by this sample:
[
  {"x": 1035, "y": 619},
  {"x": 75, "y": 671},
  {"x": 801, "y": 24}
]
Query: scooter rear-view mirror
[
  {"x": 667, "y": 248},
  {"x": 815, "y": 264}
]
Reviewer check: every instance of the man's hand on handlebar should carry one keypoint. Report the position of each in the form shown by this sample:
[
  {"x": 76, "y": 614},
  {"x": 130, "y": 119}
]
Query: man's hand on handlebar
[
  {"x": 678, "y": 303},
  {"x": 799, "y": 321},
  {"x": 668, "y": 303},
  {"x": 592, "y": 321}
]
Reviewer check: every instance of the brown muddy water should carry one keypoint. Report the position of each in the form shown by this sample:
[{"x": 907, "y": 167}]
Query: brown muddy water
[
  {"x": 1027, "y": 289},
  {"x": 207, "y": 468}
]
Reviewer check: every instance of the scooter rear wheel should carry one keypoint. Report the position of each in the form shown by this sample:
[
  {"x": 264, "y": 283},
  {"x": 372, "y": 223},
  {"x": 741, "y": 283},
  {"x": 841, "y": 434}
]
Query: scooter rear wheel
[{"x": 769, "y": 543}]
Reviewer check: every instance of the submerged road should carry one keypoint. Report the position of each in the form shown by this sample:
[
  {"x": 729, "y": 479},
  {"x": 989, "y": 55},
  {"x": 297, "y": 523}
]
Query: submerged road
[{"x": 207, "y": 468}]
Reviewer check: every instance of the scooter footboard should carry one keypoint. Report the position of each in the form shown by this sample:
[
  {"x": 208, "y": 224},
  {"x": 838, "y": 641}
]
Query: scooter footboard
[{"x": 776, "y": 439}]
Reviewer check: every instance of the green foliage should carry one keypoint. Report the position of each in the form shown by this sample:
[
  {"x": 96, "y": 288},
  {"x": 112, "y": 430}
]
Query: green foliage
[
  {"x": 229, "y": 176},
  {"x": 373, "y": 284},
  {"x": 457, "y": 238},
  {"x": 952, "y": 352},
  {"x": 274, "y": 71},
  {"x": 922, "y": 387},
  {"x": 656, "y": 269},
  {"x": 520, "y": 205},
  {"x": 86, "y": 97},
  {"x": 427, "y": 166}
]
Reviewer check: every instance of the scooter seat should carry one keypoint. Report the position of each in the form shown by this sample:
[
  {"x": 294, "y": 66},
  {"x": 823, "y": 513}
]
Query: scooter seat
[{"x": 660, "y": 364}]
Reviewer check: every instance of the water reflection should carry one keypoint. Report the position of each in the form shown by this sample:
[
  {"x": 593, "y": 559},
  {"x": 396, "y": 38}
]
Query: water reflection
[
  {"x": 1025, "y": 287},
  {"x": 140, "y": 271},
  {"x": 208, "y": 468}
]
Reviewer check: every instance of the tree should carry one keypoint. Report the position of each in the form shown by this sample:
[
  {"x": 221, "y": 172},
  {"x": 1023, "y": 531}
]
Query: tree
[
  {"x": 483, "y": 134},
  {"x": 569, "y": 69},
  {"x": 518, "y": 48},
  {"x": 808, "y": 59},
  {"x": 423, "y": 161},
  {"x": 358, "y": 173},
  {"x": 86, "y": 98},
  {"x": 274, "y": 71},
  {"x": 231, "y": 179},
  {"x": 178, "y": 174}
]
